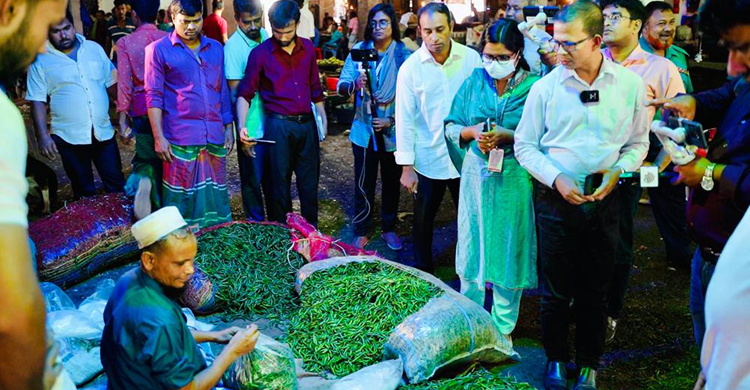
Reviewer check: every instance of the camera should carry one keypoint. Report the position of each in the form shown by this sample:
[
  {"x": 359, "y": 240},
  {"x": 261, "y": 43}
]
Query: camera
[{"x": 364, "y": 55}]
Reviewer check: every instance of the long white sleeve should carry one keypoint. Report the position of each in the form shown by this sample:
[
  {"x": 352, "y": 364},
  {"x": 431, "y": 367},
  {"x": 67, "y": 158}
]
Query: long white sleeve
[
  {"x": 528, "y": 136},
  {"x": 406, "y": 112}
]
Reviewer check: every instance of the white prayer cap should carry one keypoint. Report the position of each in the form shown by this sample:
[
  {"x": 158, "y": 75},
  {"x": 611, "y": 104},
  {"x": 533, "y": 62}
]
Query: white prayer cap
[{"x": 157, "y": 225}]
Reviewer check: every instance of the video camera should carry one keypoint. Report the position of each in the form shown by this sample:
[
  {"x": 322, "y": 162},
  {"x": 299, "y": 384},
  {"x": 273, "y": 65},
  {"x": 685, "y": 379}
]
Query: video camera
[
  {"x": 538, "y": 26},
  {"x": 682, "y": 139},
  {"x": 364, "y": 55}
]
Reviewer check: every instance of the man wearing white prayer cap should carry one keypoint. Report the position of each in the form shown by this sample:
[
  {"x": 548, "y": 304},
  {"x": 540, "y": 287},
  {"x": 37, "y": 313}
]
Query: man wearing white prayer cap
[{"x": 146, "y": 343}]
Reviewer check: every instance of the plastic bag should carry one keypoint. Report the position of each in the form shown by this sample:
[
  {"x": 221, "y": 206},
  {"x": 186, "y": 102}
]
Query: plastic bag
[
  {"x": 449, "y": 330},
  {"x": 270, "y": 366},
  {"x": 382, "y": 376},
  {"x": 55, "y": 299},
  {"x": 93, "y": 306}
]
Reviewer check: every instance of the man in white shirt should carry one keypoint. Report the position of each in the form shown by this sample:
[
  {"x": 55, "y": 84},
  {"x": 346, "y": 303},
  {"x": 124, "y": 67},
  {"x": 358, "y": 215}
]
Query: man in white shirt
[
  {"x": 306, "y": 25},
  {"x": 251, "y": 161},
  {"x": 622, "y": 24},
  {"x": 427, "y": 82},
  {"x": 586, "y": 117},
  {"x": 530, "y": 49},
  {"x": 76, "y": 75},
  {"x": 23, "y": 28}
]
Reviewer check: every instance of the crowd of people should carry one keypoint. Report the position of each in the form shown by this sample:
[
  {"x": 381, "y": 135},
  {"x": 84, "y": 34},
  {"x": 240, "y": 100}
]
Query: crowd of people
[{"x": 531, "y": 141}]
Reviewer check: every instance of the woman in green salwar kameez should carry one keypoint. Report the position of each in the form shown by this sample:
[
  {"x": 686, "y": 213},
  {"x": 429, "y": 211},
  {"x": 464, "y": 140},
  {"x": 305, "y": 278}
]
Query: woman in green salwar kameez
[{"x": 496, "y": 231}]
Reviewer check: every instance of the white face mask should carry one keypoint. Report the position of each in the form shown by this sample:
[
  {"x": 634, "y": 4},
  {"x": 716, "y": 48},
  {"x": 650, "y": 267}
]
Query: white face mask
[{"x": 500, "y": 69}]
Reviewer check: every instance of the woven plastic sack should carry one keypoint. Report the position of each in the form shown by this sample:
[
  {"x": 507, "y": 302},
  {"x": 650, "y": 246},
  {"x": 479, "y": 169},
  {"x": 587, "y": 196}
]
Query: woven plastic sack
[
  {"x": 270, "y": 366},
  {"x": 449, "y": 330},
  {"x": 83, "y": 239}
]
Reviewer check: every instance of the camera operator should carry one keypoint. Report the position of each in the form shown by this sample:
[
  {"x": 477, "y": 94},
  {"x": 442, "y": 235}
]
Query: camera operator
[
  {"x": 720, "y": 182},
  {"x": 374, "y": 137}
]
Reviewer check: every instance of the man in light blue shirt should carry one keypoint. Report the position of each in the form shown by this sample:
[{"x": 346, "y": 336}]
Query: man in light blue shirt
[
  {"x": 249, "y": 34},
  {"x": 77, "y": 76},
  {"x": 587, "y": 118}
]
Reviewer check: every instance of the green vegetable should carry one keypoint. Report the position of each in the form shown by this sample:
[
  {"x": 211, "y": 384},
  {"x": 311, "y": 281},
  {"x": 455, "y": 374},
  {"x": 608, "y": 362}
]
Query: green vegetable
[
  {"x": 252, "y": 269},
  {"x": 270, "y": 366},
  {"x": 477, "y": 380},
  {"x": 347, "y": 313}
]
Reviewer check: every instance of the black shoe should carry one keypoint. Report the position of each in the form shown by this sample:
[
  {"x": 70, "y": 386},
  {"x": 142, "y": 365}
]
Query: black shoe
[
  {"x": 556, "y": 376},
  {"x": 586, "y": 379}
]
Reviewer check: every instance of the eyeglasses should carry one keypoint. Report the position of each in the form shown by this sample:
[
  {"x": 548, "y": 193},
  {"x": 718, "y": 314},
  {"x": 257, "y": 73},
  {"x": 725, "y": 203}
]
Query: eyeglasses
[
  {"x": 614, "y": 18},
  {"x": 568, "y": 46},
  {"x": 383, "y": 24},
  {"x": 490, "y": 58}
]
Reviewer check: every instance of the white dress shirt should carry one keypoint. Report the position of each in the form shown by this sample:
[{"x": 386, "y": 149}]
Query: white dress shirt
[
  {"x": 306, "y": 26},
  {"x": 424, "y": 93},
  {"x": 724, "y": 357},
  {"x": 13, "y": 149},
  {"x": 558, "y": 133},
  {"x": 77, "y": 91}
]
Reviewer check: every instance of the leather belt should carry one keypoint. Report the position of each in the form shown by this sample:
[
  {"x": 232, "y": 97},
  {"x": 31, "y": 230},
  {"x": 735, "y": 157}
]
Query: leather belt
[
  {"x": 709, "y": 255},
  {"x": 290, "y": 118}
]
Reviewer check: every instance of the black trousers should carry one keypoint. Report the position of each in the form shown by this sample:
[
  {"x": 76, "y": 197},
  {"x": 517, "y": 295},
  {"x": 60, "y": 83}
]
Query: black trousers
[
  {"x": 429, "y": 196},
  {"x": 254, "y": 181},
  {"x": 366, "y": 162},
  {"x": 669, "y": 206},
  {"x": 77, "y": 159},
  {"x": 577, "y": 247},
  {"x": 297, "y": 150}
]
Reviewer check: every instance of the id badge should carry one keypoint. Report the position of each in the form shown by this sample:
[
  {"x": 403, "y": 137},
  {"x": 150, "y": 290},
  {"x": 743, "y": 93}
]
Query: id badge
[
  {"x": 496, "y": 160},
  {"x": 649, "y": 177}
]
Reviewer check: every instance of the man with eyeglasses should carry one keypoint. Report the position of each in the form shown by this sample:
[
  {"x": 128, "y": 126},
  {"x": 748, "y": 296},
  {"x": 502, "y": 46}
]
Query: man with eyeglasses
[
  {"x": 720, "y": 182},
  {"x": 585, "y": 118},
  {"x": 657, "y": 38},
  {"x": 191, "y": 117},
  {"x": 622, "y": 23},
  {"x": 531, "y": 53}
]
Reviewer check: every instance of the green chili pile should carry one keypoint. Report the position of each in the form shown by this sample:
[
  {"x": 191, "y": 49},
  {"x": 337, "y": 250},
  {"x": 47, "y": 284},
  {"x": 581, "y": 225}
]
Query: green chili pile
[
  {"x": 477, "y": 380},
  {"x": 347, "y": 313},
  {"x": 252, "y": 269}
]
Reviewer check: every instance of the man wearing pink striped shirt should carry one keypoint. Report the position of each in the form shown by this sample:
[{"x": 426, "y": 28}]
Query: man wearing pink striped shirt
[
  {"x": 145, "y": 182},
  {"x": 623, "y": 20}
]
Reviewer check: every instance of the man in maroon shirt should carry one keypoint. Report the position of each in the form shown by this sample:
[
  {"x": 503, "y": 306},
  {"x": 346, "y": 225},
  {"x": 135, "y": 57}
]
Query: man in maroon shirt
[
  {"x": 215, "y": 26},
  {"x": 284, "y": 71}
]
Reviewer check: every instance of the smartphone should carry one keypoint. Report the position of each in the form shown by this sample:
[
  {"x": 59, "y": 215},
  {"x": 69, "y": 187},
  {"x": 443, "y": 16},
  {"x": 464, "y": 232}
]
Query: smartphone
[
  {"x": 593, "y": 181},
  {"x": 364, "y": 55},
  {"x": 487, "y": 126}
]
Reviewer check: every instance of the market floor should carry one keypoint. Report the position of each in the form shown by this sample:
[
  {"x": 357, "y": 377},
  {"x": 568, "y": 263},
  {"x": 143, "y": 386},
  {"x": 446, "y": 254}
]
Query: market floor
[{"x": 653, "y": 347}]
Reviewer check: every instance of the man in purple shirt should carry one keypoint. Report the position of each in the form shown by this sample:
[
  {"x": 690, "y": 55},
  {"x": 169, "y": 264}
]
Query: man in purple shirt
[
  {"x": 191, "y": 117},
  {"x": 284, "y": 71}
]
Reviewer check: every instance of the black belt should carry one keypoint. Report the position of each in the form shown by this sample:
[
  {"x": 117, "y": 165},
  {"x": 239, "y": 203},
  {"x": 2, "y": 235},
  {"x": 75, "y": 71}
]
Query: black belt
[
  {"x": 291, "y": 118},
  {"x": 709, "y": 255}
]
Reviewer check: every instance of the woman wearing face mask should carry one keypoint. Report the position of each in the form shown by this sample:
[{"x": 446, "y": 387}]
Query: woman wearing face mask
[{"x": 496, "y": 232}]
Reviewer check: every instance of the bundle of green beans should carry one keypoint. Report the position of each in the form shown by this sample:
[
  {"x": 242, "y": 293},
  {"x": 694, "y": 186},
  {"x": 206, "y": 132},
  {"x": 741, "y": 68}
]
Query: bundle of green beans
[
  {"x": 347, "y": 313},
  {"x": 477, "y": 380},
  {"x": 252, "y": 269}
]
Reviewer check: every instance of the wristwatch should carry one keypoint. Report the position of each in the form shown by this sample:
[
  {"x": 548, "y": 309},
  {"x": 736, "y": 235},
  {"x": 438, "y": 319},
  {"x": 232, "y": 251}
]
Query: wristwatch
[{"x": 708, "y": 178}]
